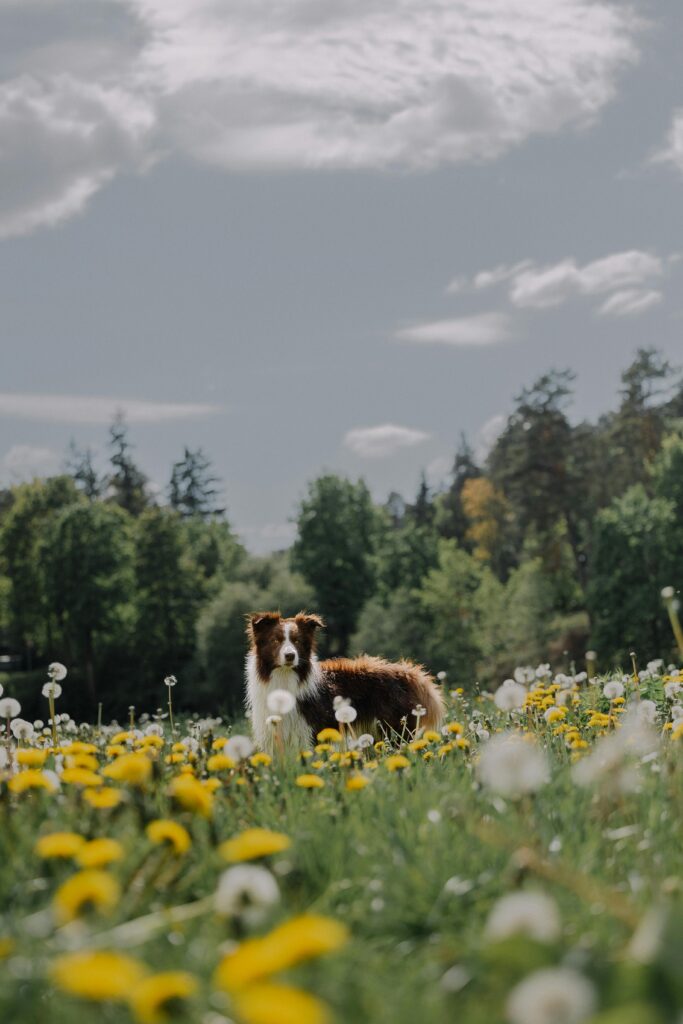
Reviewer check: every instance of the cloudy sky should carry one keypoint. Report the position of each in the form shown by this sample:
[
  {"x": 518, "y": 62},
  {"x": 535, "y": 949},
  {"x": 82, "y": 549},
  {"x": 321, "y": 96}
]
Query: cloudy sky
[{"x": 327, "y": 234}]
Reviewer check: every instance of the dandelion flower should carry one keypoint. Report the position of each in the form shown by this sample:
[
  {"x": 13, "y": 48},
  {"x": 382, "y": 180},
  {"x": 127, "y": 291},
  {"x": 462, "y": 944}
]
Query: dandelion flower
[
  {"x": 104, "y": 798},
  {"x": 297, "y": 940},
  {"x": 90, "y": 889},
  {"x": 253, "y": 844},
  {"x": 510, "y": 766},
  {"x": 246, "y": 891},
  {"x": 135, "y": 769},
  {"x": 32, "y": 779},
  {"x": 164, "y": 831},
  {"x": 309, "y": 782},
  {"x": 345, "y": 714},
  {"x": 59, "y": 844},
  {"x": 280, "y": 702},
  {"x": 613, "y": 689},
  {"x": 81, "y": 777},
  {"x": 356, "y": 782},
  {"x": 56, "y": 671},
  {"x": 51, "y": 689},
  {"x": 22, "y": 730},
  {"x": 330, "y": 735},
  {"x": 396, "y": 762},
  {"x": 187, "y": 791},
  {"x": 99, "y": 852},
  {"x": 509, "y": 696},
  {"x": 239, "y": 748},
  {"x": 279, "y": 1004},
  {"x": 156, "y": 999},
  {"x": 554, "y": 995},
  {"x": 524, "y": 913},
  {"x": 99, "y": 975},
  {"x": 9, "y": 707},
  {"x": 220, "y": 763},
  {"x": 31, "y": 757}
]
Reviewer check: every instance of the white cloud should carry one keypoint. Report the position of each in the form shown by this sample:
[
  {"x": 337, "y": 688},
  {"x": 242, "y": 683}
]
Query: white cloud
[
  {"x": 97, "y": 409},
  {"x": 630, "y": 302},
  {"x": 481, "y": 329},
  {"x": 26, "y": 461},
  {"x": 673, "y": 151},
  {"x": 408, "y": 84},
  {"x": 378, "y": 442},
  {"x": 543, "y": 287}
]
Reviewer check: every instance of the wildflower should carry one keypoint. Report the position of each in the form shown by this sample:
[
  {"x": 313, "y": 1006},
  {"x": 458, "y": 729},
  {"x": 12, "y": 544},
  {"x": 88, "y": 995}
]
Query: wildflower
[
  {"x": 330, "y": 735},
  {"x": 191, "y": 795},
  {"x": 154, "y": 1000},
  {"x": 163, "y": 830},
  {"x": 253, "y": 844},
  {"x": 510, "y": 766},
  {"x": 9, "y": 707},
  {"x": 220, "y": 763},
  {"x": 51, "y": 690},
  {"x": 170, "y": 681},
  {"x": 613, "y": 689},
  {"x": 554, "y": 714},
  {"x": 554, "y": 995},
  {"x": 59, "y": 844},
  {"x": 104, "y": 798},
  {"x": 22, "y": 730},
  {"x": 364, "y": 741},
  {"x": 510, "y": 695},
  {"x": 279, "y": 1004},
  {"x": 280, "y": 702},
  {"x": 56, "y": 671},
  {"x": 32, "y": 779},
  {"x": 524, "y": 913},
  {"x": 345, "y": 714},
  {"x": 453, "y": 727},
  {"x": 99, "y": 975},
  {"x": 99, "y": 852},
  {"x": 87, "y": 889},
  {"x": 309, "y": 782},
  {"x": 135, "y": 769},
  {"x": 81, "y": 777},
  {"x": 246, "y": 891},
  {"x": 356, "y": 782},
  {"x": 260, "y": 760},
  {"x": 32, "y": 757},
  {"x": 299, "y": 939},
  {"x": 239, "y": 748}
]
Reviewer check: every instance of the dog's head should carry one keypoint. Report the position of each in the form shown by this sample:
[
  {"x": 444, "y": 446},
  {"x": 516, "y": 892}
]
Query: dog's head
[{"x": 283, "y": 643}]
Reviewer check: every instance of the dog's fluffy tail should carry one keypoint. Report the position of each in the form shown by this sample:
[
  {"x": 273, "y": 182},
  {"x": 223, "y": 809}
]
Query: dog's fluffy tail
[{"x": 428, "y": 694}]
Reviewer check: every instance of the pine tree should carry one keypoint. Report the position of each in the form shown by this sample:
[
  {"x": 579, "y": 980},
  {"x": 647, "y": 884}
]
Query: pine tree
[
  {"x": 192, "y": 490},
  {"x": 451, "y": 521},
  {"x": 127, "y": 484},
  {"x": 81, "y": 468}
]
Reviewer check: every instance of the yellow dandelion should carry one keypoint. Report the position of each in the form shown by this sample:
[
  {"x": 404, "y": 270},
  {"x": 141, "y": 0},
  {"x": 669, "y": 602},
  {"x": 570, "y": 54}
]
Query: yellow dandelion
[
  {"x": 153, "y": 741},
  {"x": 31, "y": 779},
  {"x": 104, "y": 798},
  {"x": 115, "y": 750},
  {"x": 418, "y": 745},
  {"x": 189, "y": 793},
  {"x": 396, "y": 762},
  {"x": 135, "y": 769},
  {"x": 59, "y": 844},
  {"x": 99, "y": 975},
  {"x": 212, "y": 784},
  {"x": 309, "y": 782},
  {"x": 302, "y": 938},
  {"x": 677, "y": 731},
  {"x": 79, "y": 747},
  {"x": 279, "y": 1004},
  {"x": 122, "y": 737},
  {"x": 31, "y": 757},
  {"x": 175, "y": 758},
  {"x": 90, "y": 889},
  {"x": 431, "y": 736},
  {"x": 219, "y": 743},
  {"x": 163, "y": 830},
  {"x": 156, "y": 999},
  {"x": 260, "y": 759},
  {"x": 220, "y": 763},
  {"x": 81, "y": 777},
  {"x": 254, "y": 843},
  {"x": 99, "y": 852},
  {"x": 356, "y": 782},
  {"x": 462, "y": 743},
  {"x": 454, "y": 727},
  {"x": 88, "y": 761},
  {"x": 329, "y": 736}
]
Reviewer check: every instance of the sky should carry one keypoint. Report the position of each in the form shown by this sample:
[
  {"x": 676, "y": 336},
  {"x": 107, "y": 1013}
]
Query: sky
[{"x": 327, "y": 235}]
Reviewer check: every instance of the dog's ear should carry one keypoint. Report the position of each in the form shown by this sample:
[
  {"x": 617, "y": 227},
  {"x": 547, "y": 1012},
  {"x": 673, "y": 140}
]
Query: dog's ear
[
  {"x": 258, "y": 623},
  {"x": 309, "y": 623}
]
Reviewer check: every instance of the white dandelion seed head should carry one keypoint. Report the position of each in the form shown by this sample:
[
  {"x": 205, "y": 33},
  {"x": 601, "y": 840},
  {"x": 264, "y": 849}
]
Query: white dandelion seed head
[
  {"x": 154, "y": 730},
  {"x": 529, "y": 913},
  {"x": 246, "y": 891},
  {"x": 543, "y": 671},
  {"x": 22, "y": 730},
  {"x": 655, "y": 666},
  {"x": 525, "y": 674},
  {"x": 281, "y": 702},
  {"x": 239, "y": 747},
  {"x": 345, "y": 714},
  {"x": 441, "y": 676},
  {"x": 671, "y": 690},
  {"x": 510, "y": 766},
  {"x": 676, "y": 712},
  {"x": 509, "y": 696},
  {"x": 51, "y": 689},
  {"x": 613, "y": 690},
  {"x": 340, "y": 702},
  {"x": 646, "y": 710},
  {"x": 419, "y": 711},
  {"x": 9, "y": 707},
  {"x": 170, "y": 681},
  {"x": 56, "y": 671},
  {"x": 554, "y": 995},
  {"x": 668, "y": 593},
  {"x": 364, "y": 741}
]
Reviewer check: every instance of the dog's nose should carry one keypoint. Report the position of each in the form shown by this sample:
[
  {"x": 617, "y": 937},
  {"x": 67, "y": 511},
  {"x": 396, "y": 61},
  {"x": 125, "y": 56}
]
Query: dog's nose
[{"x": 289, "y": 657}]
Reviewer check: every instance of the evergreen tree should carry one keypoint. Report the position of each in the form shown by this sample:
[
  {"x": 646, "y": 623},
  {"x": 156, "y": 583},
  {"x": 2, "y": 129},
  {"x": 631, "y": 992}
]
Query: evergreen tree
[
  {"x": 127, "y": 485},
  {"x": 192, "y": 490},
  {"x": 81, "y": 468},
  {"x": 450, "y": 518}
]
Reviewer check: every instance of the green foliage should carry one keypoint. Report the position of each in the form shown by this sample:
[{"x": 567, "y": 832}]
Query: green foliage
[
  {"x": 337, "y": 538},
  {"x": 192, "y": 490},
  {"x": 395, "y": 627},
  {"x": 127, "y": 484},
  {"x": 635, "y": 540}
]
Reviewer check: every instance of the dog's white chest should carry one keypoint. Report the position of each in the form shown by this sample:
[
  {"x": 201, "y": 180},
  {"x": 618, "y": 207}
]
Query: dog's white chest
[{"x": 293, "y": 729}]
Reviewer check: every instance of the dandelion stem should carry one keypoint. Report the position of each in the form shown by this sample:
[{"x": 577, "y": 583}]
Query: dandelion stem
[{"x": 673, "y": 618}]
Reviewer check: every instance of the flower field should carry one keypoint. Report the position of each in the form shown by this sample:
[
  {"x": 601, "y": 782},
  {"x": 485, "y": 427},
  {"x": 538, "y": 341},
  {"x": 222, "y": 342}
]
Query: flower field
[{"x": 522, "y": 865}]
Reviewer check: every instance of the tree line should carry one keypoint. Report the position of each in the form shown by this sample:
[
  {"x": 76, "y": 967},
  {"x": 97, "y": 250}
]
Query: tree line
[{"x": 559, "y": 540}]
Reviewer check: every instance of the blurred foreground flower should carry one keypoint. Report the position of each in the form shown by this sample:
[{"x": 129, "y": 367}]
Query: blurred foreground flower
[{"x": 511, "y": 766}]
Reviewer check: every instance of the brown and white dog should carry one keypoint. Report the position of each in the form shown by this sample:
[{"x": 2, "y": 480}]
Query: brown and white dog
[{"x": 384, "y": 694}]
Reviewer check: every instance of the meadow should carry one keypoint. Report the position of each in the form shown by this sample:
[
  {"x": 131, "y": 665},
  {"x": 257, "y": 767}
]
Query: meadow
[{"x": 521, "y": 866}]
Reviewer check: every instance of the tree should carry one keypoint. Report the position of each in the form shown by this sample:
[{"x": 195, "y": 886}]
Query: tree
[
  {"x": 127, "y": 485},
  {"x": 22, "y": 547},
  {"x": 80, "y": 466},
  {"x": 633, "y": 548},
  {"x": 394, "y": 628},
  {"x": 487, "y": 511},
  {"x": 88, "y": 561},
  {"x": 337, "y": 535},
  {"x": 450, "y": 518},
  {"x": 192, "y": 490}
]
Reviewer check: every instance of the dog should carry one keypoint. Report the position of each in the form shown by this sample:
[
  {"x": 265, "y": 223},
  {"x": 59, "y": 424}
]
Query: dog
[{"x": 385, "y": 695}]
